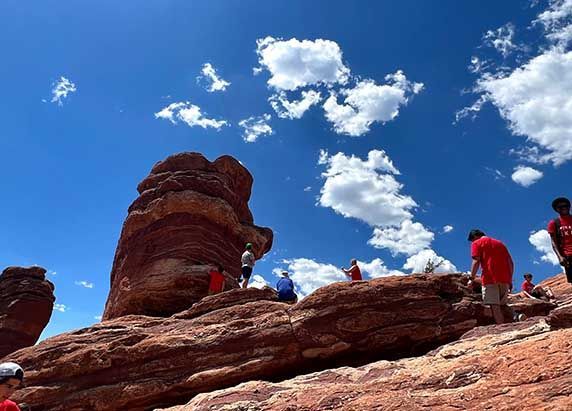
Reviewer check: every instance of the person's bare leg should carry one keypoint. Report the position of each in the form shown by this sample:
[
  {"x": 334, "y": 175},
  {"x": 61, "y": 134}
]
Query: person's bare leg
[
  {"x": 245, "y": 283},
  {"x": 497, "y": 313}
]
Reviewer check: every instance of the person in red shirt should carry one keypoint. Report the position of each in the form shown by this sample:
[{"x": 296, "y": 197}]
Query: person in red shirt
[
  {"x": 353, "y": 272},
  {"x": 560, "y": 230},
  {"x": 497, "y": 269},
  {"x": 216, "y": 282},
  {"x": 536, "y": 291},
  {"x": 11, "y": 377}
]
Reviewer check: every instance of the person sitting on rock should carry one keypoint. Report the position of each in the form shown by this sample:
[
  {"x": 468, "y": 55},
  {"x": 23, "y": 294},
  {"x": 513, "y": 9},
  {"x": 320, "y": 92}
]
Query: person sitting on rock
[
  {"x": 248, "y": 260},
  {"x": 11, "y": 377},
  {"x": 497, "y": 269},
  {"x": 353, "y": 272},
  {"x": 285, "y": 287},
  {"x": 560, "y": 230},
  {"x": 216, "y": 281},
  {"x": 535, "y": 291}
]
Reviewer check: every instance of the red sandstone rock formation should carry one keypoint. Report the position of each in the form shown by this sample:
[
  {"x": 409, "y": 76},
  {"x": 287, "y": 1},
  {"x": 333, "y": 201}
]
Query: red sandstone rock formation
[
  {"x": 191, "y": 213},
  {"x": 137, "y": 363},
  {"x": 517, "y": 369},
  {"x": 26, "y": 303}
]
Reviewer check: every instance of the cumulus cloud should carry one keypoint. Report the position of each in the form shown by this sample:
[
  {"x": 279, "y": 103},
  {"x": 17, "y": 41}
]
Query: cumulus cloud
[
  {"x": 293, "y": 63},
  {"x": 557, "y": 22},
  {"x": 409, "y": 238},
  {"x": 60, "y": 307},
  {"x": 448, "y": 229},
  {"x": 541, "y": 241},
  {"x": 376, "y": 268},
  {"x": 294, "y": 109},
  {"x": 368, "y": 103},
  {"x": 189, "y": 114},
  {"x": 254, "y": 127},
  {"x": 416, "y": 263},
  {"x": 84, "y": 284},
  {"x": 526, "y": 176},
  {"x": 210, "y": 79},
  {"x": 501, "y": 39},
  {"x": 257, "y": 281},
  {"x": 61, "y": 89}
]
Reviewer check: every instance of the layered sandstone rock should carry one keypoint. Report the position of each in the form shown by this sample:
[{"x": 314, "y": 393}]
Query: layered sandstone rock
[
  {"x": 137, "y": 362},
  {"x": 517, "y": 369},
  {"x": 191, "y": 214},
  {"x": 26, "y": 303}
]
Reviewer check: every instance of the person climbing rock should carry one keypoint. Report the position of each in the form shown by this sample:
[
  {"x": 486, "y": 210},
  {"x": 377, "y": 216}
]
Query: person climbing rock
[
  {"x": 535, "y": 291},
  {"x": 560, "y": 230},
  {"x": 353, "y": 272},
  {"x": 216, "y": 280},
  {"x": 11, "y": 377},
  {"x": 285, "y": 288},
  {"x": 248, "y": 260},
  {"x": 494, "y": 259}
]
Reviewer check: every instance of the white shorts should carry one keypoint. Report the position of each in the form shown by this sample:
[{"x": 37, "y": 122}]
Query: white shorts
[{"x": 495, "y": 294}]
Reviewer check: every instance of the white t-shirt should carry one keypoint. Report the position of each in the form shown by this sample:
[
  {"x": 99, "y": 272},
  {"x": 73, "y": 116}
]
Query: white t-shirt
[{"x": 248, "y": 259}]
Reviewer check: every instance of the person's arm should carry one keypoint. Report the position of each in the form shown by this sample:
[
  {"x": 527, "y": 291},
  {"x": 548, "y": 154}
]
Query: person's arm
[
  {"x": 556, "y": 250},
  {"x": 475, "y": 268}
]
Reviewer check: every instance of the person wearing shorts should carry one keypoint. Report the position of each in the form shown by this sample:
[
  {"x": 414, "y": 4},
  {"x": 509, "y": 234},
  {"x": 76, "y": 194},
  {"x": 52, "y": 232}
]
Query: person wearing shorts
[
  {"x": 497, "y": 268},
  {"x": 560, "y": 230},
  {"x": 248, "y": 260}
]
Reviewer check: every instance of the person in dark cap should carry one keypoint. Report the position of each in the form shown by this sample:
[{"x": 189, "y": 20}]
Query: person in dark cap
[
  {"x": 11, "y": 377},
  {"x": 497, "y": 268},
  {"x": 560, "y": 230}
]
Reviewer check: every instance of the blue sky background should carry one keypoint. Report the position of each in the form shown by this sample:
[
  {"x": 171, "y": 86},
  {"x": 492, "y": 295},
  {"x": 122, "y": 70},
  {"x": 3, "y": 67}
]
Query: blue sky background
[{"x": 70, "y": 172}]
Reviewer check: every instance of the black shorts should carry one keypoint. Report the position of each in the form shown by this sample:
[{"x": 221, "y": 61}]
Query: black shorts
[
  {"x": 246, "y": 272},
  {"x": 568, "y": 269},
  {"x": 536, "y": 294}
]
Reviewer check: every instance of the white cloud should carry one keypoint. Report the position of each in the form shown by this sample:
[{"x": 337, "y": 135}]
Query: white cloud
[
  {"x": 293, "y": 109},
  {"x": 97, "y": 317},
  {"x": 189, "y": 114},
  {"x": 308, "y": 188},
  {"x": 501, "y": 39},
  {"x": 543, "y": 244},
  {"x": 376, "y": 268},
  {"x": 210, "y": 79},
  {"x": 61, "y": 308},
  {"x": 254, "y": 127},
  {"x": 448, "y": 229},
  {"x": 368, "y": 103},
  {"x": 61, "y": 89},
  {"x": 409, "y": 238},
  {"x": 526, "y": 176},
  {"x": 293, "y": 64},
  {"x": 257, "y": 281},
  {"x": 84, "y": 284},
  {"x": 416, "y": 263},
  {"x": 557, "y": 22}
]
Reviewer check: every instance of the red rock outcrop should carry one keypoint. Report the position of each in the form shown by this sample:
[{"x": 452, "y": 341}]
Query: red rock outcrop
[
  {"x": 26, "y": 303},
  {"x": 191, "y": 214},
  {"x": 138, "y": 362},
  {"x": 517, "y": 369}
]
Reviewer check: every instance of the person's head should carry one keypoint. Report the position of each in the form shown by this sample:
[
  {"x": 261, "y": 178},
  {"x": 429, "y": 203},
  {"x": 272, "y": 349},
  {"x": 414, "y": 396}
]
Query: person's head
[
  {"x": 249, "y": 246},
  {"x": 475, "y": 234},
  {"x": 353, "y": 261},
  {"x": 219, "y": 268},
  {"x": 285, "y": 274},
  {"x": 561, "y": 205},
  {"x": 11, "y": 376},
  {"x": 528, "y": 277}
]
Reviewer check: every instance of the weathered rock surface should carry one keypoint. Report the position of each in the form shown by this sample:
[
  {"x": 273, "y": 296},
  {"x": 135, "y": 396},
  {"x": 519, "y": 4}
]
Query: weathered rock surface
[
  {"x": 137, "y": 362},
  {"x": 518, "y": 369},
  {"x": 26, "y": 303},
  {"x": 191, "y": 214}
]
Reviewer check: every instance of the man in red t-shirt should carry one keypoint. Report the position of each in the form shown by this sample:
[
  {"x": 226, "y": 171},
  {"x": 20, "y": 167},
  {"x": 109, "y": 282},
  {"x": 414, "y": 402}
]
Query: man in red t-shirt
[
  {"x": 353, "y": 272},
  {"x": 216, "y": 283},
  {"x": 560, "y": 230},
  {"x": 497, "y": 268},
  {"x": 11, "y": 376}
]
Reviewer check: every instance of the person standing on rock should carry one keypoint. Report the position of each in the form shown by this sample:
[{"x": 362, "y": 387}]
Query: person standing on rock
[
  {"x": 560, "y": 230},
  {"x": 285, "y": 287},
  {"x": 497, "y": 268},
  {"x": 248, "y": 260},
  {"x": 353, "y": 272},
  {"x": 11, "y": 377},
  {"x": 216, "y": 280}
]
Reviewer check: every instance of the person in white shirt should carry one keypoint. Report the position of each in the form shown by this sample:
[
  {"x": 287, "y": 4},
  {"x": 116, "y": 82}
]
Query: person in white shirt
[{"x": 248, "y": 260}]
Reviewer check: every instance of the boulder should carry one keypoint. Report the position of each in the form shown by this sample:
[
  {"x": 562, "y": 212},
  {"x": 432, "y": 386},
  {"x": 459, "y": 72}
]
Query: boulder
[
  {"x": 191, "y": 214},
  {"x": 519, "y": 368},
  {"x": 141, "y": 362},
  {"x": 26, "y": 304}
]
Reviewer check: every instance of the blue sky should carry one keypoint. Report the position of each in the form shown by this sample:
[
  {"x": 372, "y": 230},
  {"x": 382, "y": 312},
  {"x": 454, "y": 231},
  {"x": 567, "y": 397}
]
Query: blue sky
[{"x": 70, "y": 170}]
